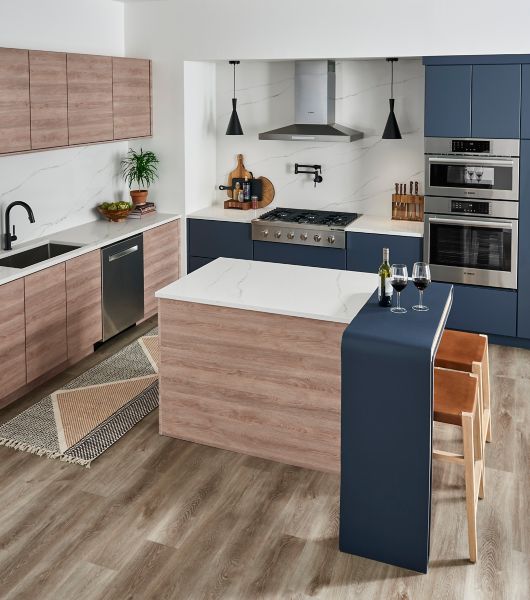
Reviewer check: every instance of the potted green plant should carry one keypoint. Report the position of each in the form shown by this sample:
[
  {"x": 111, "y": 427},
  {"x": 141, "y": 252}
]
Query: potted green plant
[{"x": 140, "y": 168}]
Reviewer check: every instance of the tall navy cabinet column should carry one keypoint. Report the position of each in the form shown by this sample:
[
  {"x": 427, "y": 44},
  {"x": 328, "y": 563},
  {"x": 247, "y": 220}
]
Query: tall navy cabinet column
[{"x": 523, "y": 297}]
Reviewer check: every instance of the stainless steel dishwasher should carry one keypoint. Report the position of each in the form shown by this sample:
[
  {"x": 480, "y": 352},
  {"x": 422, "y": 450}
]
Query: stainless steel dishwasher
[{"x": 122, "y": 268}]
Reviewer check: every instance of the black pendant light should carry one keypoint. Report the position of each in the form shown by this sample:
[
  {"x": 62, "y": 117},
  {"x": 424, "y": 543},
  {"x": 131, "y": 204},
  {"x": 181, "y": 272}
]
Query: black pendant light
[
  {"x": 234, "y": 126},
  {"x": 391, "y": 131}
]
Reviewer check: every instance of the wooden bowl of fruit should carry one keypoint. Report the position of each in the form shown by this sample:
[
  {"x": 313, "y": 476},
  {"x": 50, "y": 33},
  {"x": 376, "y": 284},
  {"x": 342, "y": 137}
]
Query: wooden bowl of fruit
[{"x": 115, "y": 211}]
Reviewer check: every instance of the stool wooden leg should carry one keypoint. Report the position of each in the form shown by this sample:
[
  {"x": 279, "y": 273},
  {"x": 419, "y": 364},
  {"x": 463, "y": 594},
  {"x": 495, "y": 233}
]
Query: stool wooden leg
[
  {"x": 469, "y": 462},
  {"x": 478, "y": 446},
  {"x": 487, "y": 393}
]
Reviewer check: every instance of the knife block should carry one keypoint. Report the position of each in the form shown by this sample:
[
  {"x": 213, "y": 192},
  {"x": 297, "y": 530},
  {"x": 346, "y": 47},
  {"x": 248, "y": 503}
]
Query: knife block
[{"x": 407, "y": 207}]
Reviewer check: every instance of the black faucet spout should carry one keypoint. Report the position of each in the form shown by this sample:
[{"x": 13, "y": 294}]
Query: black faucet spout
[{"x": 11, "y": 237}]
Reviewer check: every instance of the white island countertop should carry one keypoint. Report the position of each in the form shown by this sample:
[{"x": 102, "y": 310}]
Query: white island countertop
[
  {"x": 364, "y": 224},
  {"x": 308, "y": 292},
  {"x": 89, "y": 236}
]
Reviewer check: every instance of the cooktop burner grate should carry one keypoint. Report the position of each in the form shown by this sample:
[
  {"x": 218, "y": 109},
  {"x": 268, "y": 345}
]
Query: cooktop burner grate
[{"x": 311, "y": 217}]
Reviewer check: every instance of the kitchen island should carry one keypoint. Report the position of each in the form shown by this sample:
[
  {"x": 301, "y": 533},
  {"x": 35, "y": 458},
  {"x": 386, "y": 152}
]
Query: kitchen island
[{"x": 265, "y": 359}]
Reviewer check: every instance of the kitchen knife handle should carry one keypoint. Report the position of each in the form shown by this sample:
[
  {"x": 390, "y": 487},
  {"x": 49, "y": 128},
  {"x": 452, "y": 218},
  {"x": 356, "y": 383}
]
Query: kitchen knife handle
[
  {"x": 416, "y": 188},
  {"x": 226, "y": 187}
]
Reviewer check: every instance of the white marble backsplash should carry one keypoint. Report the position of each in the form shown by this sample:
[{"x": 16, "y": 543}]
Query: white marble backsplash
[
  {"x": 358, "y": 176},
  {"x": 62, "y": 186}
]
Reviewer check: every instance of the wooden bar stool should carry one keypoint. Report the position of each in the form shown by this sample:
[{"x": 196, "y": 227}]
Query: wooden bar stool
[
  {"x": 456, "y": 402},
  {"x": 468, "y": 352}
]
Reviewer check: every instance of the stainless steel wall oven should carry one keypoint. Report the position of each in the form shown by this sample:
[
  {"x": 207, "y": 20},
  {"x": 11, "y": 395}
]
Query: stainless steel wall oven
[{"x": 472, "y": 240}]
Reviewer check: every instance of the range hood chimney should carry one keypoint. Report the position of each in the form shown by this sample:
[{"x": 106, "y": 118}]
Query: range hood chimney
[{"x": 314, "y": 98}]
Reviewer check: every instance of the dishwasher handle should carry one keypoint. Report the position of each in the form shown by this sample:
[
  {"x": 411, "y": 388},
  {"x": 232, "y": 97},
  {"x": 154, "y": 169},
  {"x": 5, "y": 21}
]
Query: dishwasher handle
[{"x": 123, "y": 253}]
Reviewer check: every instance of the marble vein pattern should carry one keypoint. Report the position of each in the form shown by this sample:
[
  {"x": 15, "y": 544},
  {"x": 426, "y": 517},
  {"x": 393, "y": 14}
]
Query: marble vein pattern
[
  {"x": 307, "y": 292},
  {"x": 62, "y": 186},
  {"x": 358, "y": 176}
]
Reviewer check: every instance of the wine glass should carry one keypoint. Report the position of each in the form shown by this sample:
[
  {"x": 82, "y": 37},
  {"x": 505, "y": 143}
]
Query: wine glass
[
  {"x": 421, "y": 277},
  {"x": 479, "y": 171},
  {"x": 399, "y": 278}
]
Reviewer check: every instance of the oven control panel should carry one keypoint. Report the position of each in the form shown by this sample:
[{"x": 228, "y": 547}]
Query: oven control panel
[
  {"x": 471, "y": 146},
  {"x": 471, "y": 208}
]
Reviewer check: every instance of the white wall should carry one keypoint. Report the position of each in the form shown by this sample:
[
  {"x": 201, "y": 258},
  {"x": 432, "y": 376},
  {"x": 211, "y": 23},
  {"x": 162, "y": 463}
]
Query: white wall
[
  {"x": 170, "y": 32},
  {"x": 62, "y": 186},
  {"x": 358, "y": 176}
]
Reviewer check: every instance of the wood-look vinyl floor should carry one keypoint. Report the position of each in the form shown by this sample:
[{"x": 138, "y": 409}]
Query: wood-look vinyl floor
[{"x": 161, "y": 518}]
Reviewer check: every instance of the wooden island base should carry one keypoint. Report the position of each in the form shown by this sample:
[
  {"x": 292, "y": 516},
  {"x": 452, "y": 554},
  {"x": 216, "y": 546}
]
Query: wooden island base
[{"x": 252, "y": 382}]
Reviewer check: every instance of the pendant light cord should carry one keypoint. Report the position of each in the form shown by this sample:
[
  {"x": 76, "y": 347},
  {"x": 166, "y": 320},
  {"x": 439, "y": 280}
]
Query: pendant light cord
[
  {"x": 234, "y": 81},
  {"x": 392, "y": 79}
]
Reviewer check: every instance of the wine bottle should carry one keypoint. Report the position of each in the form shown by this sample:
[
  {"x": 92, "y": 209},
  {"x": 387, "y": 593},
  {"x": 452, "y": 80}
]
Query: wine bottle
[{"x": 385, "y": 287}]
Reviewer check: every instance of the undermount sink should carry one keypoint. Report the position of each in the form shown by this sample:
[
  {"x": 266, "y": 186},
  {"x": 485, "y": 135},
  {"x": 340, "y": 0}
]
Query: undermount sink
[{"x": 32, "y": 256}]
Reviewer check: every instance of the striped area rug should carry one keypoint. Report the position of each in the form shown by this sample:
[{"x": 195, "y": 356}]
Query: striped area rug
[{"x": 79, "y": 422}]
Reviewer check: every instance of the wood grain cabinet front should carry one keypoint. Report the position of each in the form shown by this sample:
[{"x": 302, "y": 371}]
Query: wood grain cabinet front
[
  {"x": 14, "y": 101},
  {"x": 12, "y": 337},
  {"x": 131, "y": 97},
  {"x": 89, "y": 98},
  {"x": 161, "y": 262},
  {"x": 49, "y": 99},
  {"x": 45, "y": 300},
  {"x": 83, "y": 303}
]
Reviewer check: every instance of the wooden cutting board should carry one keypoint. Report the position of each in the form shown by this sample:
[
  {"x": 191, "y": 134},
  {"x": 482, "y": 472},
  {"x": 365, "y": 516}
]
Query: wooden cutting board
[{"x": 240, "y": 172}]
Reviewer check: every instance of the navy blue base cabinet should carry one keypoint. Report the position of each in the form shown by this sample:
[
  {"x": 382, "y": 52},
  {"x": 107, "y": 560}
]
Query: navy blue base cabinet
[
  {"x": 208, "y": 240},
  {"x": 294, "y": 254},
  {"x": 483, "y": 310},
  {"x": 365, "y": 250}
]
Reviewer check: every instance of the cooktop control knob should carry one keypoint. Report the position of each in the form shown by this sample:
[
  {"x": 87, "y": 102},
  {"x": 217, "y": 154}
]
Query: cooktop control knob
[
  {"x": 290, "y": 235},
  {"x": 265, "y": 232},
  {"x": 317, "y": 237},
  {"x": 331, "y": 239},
  {"x": 278, "y": 234},
  {"x": 303, "y": 236}
]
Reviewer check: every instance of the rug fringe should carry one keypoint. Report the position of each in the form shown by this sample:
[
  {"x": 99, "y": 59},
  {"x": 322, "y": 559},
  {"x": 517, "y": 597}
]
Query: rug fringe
[{"x": 25, "y": 447}]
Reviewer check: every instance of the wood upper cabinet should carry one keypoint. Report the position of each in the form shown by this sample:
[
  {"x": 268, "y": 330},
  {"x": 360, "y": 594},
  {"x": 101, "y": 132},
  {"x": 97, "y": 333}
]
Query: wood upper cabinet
[
  {"x": 14, "y": 101},
  {"x": 45, "y": 299},
  {"x": 49, "y": 99},
  {"x": 161, "y": 262},
  {"x": 12, "y": 337},
  {"x": 83, "y": 303},
  {"x": 89, "y": 98},
  {"x": 131, "y": 80}
]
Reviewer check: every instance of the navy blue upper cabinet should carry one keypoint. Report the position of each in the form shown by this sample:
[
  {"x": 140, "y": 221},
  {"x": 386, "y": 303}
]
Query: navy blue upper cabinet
[
  {"x": 448, "y": 101},
  {"x": 365, "y": 250},
  {"x": 496, "y": 101},
  {"x": 525, "y": 102}
]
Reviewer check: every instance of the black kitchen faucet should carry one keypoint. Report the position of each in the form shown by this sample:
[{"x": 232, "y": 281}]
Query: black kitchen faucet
[{"x": 11, "y": 237}]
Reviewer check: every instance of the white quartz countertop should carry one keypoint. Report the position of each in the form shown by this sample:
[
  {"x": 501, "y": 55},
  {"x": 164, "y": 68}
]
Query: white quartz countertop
[
  {"x": 89, "y": 236},
  {"x": 308, "y": 292},
  {"x": 364, "y": 224}
]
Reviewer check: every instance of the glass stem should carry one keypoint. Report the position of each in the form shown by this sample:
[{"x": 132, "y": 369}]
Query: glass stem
[
  {"x": 399, "y": 300},
  {"x": 421, "y": 297}
]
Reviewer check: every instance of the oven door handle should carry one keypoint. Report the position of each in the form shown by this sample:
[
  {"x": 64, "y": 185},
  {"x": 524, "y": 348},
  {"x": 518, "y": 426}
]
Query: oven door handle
[
  {"x": 486, "y": 162},
  {"x": 492, "y": 224}
]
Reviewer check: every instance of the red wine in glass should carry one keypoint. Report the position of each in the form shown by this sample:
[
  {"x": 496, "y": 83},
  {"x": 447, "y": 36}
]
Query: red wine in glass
[
  {"x": 421, "y": 276},
  {"x": 399, "y": 278}
]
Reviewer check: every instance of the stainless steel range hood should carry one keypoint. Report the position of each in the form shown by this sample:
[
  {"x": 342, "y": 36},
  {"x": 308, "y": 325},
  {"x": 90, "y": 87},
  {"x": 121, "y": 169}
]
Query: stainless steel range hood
[{"x": 314, "y": 97}]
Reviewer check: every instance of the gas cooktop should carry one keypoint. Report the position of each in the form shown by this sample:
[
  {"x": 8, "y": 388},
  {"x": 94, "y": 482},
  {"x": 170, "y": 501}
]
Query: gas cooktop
[
  {"x": 305, "y": 227},
  {"x": 324, "y": 218}
]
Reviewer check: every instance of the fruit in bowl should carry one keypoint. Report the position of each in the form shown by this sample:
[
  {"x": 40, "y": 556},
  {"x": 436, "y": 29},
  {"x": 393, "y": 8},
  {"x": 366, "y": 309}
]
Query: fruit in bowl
[{"x": 115, "y": 211}]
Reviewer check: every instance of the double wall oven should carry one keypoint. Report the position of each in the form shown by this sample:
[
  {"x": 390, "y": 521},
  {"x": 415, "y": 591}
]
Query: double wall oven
[{"x": 472, "y": 210}]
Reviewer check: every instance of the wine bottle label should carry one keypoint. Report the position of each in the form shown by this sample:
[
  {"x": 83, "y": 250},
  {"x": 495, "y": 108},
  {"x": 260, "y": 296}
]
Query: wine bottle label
[{"x": 389, "y": 290}]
